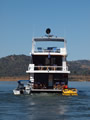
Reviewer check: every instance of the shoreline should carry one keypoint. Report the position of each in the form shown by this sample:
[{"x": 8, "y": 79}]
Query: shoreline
[
  {"x": 70, "y": 78},
  {"x": 79, "y": 77},
  {"x": 14, "y": 78}
]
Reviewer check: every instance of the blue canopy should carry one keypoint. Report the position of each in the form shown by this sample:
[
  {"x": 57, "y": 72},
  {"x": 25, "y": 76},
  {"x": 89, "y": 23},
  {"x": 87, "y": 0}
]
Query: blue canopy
[{"x": 23, "y": 81}]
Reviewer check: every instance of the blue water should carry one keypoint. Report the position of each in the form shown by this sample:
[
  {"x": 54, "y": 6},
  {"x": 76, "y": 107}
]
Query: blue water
[{"x": 45, "y": 106}]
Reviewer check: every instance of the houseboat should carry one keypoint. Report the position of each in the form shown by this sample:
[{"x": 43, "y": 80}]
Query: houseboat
[{"x": 48, "y": 70}]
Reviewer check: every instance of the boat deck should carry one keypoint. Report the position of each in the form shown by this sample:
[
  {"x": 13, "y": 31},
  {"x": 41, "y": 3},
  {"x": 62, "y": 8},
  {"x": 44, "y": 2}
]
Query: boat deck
[{"x": 46, "y": 91}]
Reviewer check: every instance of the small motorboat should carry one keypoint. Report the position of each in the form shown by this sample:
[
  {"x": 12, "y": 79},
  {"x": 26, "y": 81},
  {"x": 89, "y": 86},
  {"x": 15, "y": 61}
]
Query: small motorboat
[
  {"x": 69, "y": 92},
  {"x": 24, "y": 87}
]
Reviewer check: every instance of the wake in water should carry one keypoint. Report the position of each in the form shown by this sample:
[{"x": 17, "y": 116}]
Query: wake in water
[{"x": 45, "y": 106}]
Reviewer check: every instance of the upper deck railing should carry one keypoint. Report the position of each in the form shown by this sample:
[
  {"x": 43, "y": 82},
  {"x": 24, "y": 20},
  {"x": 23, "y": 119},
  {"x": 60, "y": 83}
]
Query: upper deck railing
[
  {"x": 48, "y": 49},
  {"x": 60, "y": 51}
]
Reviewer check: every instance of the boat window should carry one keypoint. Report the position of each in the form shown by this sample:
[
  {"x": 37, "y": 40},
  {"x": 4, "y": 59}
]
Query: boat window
[{"x": 47, "y": 60}]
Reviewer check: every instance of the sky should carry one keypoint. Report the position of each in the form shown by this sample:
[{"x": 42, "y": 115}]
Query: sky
[{"x": 20, "y": 20}]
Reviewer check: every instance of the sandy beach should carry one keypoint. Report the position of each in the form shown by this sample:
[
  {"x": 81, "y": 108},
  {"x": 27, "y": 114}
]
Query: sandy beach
[
  {"x": 71, "y": 78},
  {"x": 14, "y": 78},
  {"x": 79, "y": 78}
]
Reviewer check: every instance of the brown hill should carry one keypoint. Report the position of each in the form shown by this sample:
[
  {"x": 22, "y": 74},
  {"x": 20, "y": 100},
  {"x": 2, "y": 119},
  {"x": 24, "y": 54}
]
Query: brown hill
[{"x": 16, "y": 65}]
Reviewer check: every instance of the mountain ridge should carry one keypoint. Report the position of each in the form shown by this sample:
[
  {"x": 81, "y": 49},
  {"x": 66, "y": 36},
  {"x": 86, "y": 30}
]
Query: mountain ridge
[{"x": 16, "y": 65}]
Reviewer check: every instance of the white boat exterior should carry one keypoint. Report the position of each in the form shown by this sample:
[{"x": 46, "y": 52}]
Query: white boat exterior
[
  {"x": 23, "y": 88},
  {"x": 16, "y": 92},
  {"x": 52, "y": 71}
]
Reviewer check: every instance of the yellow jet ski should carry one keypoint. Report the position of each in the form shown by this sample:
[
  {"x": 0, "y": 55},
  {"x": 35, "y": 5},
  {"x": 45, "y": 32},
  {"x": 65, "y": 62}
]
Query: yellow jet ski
[{"x": 69, "y": 92}]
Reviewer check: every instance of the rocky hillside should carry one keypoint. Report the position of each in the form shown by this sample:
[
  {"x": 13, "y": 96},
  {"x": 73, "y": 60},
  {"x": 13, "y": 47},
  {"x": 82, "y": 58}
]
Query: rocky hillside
[
  {"x": 79, "y": 67},
  {"x": 16, "y": 65}
]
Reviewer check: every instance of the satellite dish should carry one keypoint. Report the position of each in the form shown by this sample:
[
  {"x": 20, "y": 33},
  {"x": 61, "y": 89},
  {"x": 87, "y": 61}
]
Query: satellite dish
[{"x": 48, "y": 30}]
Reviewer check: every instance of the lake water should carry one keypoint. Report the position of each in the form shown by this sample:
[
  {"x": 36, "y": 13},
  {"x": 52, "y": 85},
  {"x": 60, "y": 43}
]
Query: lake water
[{"x": 45, "y": 106}]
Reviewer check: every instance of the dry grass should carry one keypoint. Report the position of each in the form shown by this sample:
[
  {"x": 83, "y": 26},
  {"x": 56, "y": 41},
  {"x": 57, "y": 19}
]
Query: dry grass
[
  {"x": 79, "y": 78},
  {"x": 14, "y": 78},
  {"x": 71, "y": 78}
]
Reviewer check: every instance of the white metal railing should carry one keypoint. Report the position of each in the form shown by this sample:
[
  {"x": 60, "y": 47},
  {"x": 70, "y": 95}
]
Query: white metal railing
[
  {"x": 46, "y": 68},
  {"x": 47, "y": 51},
  {"x": 61, "y": 51}
]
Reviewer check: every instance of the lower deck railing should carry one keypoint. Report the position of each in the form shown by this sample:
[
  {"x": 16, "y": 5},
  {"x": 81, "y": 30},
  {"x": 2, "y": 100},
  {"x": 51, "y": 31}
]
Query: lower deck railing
[{"x": 46, "y": 68}]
